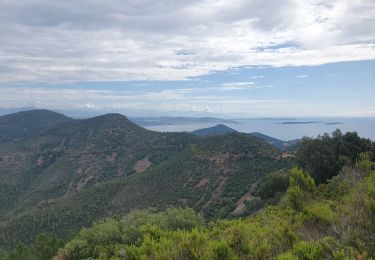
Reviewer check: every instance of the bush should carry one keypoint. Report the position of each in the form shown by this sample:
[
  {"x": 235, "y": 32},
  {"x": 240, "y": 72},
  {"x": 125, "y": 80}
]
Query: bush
[
  {"x": 364, "y": 162},
  {"x": 287, "y": 256},
  {"x": 140, "y": 227},
  {"x": 273, "y": 184},
  {"x": 219, "y": 250},
  {"x": 320, "y": 213},
  {"x": 308, "y": 251},
  {"x": 301, "y": 188}
]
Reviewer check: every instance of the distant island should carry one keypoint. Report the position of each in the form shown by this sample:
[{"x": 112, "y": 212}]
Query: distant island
[
  {"x": 275, "y": 118},
  {"x": 333, "y": 123},
  {"x": 298, "y": 122}
]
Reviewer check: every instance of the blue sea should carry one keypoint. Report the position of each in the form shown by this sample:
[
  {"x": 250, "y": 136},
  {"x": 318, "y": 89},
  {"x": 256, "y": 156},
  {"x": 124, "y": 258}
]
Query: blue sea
[{"x": 287, "y": 128}]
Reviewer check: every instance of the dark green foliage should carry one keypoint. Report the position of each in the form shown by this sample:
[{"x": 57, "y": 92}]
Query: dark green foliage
[
  {"x": 325, "y": 229},
  {"x": 324, "y": 157},
  {"x": 28, "y": 124},
  {"x": 273, "y": 185},
  {"x": 252, "y": 206},
  {"x": 44, "y": 248}
]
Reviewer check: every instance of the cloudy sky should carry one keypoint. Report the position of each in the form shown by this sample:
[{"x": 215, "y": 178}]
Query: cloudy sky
[{"x": 170, "y": 57}]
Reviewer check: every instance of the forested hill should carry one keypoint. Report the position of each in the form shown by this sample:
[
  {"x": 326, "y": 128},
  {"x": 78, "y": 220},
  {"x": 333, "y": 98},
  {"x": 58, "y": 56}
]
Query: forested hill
[
  {"x": 78, "y": 171},
  {"x": 221, "y": 129},
  {"x": 28, "y": 124},
  {"x": 214, "y": 130},
  {"x": 290, "y": 145},
  {"x": 304, "y": 219}
]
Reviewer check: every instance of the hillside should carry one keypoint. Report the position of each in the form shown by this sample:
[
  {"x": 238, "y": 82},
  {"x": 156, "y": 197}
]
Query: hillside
[
  {"x": 223, "y": 129},
  {"x": 27, "y": 124},
  {"x": 310, "y": 222},
  {"x": 282, "y": 145},
  {"x": 214, "y": 130},
  {"x": 326, "y": 229},
  {"x": 83, "y": 170}
]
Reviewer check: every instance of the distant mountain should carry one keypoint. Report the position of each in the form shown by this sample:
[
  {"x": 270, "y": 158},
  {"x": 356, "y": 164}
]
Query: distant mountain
[
  {"x": 6, "y": 111},
  {"x": 74, "y": 172},
  {"x": 29, "y": 123},
  {"x": 223, "y": 129},
  {"x": 214, "y": 130},
  {"x": 155, "y": 121},
  {"x": 282, "y": 145}
]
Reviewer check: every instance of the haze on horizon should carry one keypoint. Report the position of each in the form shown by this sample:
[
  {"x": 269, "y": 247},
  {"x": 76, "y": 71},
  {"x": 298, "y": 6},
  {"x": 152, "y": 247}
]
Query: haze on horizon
[{"x": 233, "y": 58}]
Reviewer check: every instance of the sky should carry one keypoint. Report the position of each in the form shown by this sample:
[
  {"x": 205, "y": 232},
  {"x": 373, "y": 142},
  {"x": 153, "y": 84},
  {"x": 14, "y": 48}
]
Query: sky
[{"x": 228, "y": 58}]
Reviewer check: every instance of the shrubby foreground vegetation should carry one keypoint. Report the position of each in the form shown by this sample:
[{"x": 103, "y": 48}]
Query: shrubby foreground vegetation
[
  {"x": 329, "y": 221},
  {"x": 322, "y": 209},
  {"x": 334, "y": 220}
]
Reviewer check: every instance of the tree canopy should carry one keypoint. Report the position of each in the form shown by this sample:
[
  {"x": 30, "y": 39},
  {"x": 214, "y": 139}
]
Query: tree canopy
[{"x": 324, "y": 157}]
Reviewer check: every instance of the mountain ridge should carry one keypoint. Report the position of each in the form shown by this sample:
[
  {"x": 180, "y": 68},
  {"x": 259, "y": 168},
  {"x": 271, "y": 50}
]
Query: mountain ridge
[
  {"x": 218, "y": 129},
  {"x": 221, "y": 129},
  {"x": 29, "y": 123},
  {"x": 82, "y": 170}
]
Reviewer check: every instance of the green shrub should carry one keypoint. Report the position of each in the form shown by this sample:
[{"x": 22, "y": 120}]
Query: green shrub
[
  {"x": 301, "y": 179},
  {"x": 273, "y": 184},
  {"x": 301, "y": 187},
  {"x": 77, "y": 249},
  {"x": 287, "y": 256},
  {"x": 320, "y": 213},
  {"x": 191, "y": 245},
  {"x": 308, "y": 251},
  {"x": 364, "y": 162},
  {"x": 219, "y": 250},
  {"x": 252, "y": 206}
]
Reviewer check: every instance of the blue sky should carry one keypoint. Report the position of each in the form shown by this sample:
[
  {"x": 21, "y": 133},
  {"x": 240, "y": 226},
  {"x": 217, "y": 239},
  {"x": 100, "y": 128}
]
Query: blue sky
[{"x": 224, "y": 58}]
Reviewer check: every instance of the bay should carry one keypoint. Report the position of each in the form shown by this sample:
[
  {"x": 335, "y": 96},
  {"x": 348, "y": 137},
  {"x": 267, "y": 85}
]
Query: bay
[{"x": 286, "y": 129}]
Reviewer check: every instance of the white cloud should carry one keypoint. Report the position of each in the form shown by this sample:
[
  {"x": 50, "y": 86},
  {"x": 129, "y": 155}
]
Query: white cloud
[
  {"x": 236, "y": 86},
  {"x": 302, "y": 76},
  {"x": 91, "y": 106},
  {"x": 240, "y": 86},
  {"x": 66, "y": 97},
  {"x": 55, "y": 41},
  {"x": 364, "y": 113},
  {"x": 180, "y": 101},
  {"x": 167, "y": 100}
]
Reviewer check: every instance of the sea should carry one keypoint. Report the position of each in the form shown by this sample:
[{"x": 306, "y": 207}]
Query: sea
[{"x": 286, "y": 128}]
